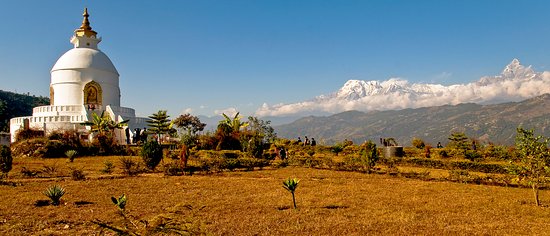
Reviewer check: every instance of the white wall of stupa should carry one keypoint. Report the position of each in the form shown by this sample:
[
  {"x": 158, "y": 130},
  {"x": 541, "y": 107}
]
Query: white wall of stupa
[{"x": 83, "y": 81}]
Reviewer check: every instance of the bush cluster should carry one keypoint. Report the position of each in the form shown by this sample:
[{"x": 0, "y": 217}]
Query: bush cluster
[
  {"x": 218, "y": 164},
  {"x": 152, "y": 154},
  {"x": 454, "y": 165},
  {"x": 57, "y": 144}
]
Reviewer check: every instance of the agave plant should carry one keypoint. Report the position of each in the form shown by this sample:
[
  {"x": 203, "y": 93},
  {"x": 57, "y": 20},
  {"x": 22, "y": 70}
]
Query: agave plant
[
  {"x": 291, "y": 185},
  {"x": 55, "y": 193},
  {"x": 71, "y": 154},
  {"x": 120, "y": 202}
]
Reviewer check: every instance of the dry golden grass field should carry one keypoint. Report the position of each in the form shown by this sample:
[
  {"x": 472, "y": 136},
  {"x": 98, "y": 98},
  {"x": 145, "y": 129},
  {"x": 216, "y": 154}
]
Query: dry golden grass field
[{"x": 255, "y": 203}]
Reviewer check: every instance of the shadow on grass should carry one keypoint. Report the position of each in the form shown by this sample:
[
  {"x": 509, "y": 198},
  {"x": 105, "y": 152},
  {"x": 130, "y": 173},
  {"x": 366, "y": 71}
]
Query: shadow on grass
[
  {"x": 41, "y": 203},
  {"x": 282, "y": 208},
  {"x": 82, "y": 203},
  {"x": 9, "y": 183},
  {"x": 332, "y": 207}
]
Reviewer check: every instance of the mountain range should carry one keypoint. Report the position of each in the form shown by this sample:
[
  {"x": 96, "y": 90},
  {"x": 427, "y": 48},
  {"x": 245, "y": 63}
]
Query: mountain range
[
  {"x": 515, "y": 83},
  {"x": 494, "y": 123}
]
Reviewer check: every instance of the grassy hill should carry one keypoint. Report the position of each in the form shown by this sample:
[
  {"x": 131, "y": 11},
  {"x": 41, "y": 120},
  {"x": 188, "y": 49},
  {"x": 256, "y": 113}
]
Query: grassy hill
[
  {"x": 255, "y": 203},
  {"x": 15, "y": 105},
  {"x": 495, "y": 123}
]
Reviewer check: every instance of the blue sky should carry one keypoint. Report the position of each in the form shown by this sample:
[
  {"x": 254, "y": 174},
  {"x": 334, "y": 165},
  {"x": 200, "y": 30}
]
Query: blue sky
[{"x": 212, "y": 55}]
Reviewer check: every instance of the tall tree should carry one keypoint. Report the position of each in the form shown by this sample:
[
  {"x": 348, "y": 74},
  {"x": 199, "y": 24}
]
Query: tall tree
[
  {"x": 261, "y": 129},
  {"x": 533, "y": 165},
  {"x": 159, "y": 123},
  {"x": 189, "y": 123}
]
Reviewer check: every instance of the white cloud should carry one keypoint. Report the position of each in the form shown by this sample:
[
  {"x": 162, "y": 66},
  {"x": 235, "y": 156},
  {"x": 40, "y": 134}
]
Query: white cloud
[
  {"x": 231, "y": 111},
  {"x": 187, "y": 110},
  {"x": 515, "y": 83}
]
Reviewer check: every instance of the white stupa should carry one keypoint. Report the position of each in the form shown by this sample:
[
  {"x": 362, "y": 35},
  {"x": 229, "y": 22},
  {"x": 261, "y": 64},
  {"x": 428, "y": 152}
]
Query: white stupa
[{"x": 83, "y": 81}]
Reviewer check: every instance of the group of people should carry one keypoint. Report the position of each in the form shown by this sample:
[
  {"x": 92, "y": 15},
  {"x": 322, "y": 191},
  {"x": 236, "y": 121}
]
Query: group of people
[
  {"x": 307, "y": 142},
  {"x": 140, "y": 135}
]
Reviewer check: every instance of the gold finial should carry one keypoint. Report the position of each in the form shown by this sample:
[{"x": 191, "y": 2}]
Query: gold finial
[{"x": 85, "y": 29}]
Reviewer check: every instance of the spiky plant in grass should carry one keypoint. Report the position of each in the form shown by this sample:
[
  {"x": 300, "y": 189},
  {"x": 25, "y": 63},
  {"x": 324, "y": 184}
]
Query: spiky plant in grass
[
  {"x": 71, "y": 154},
  {"x": 120, "y": 202},
  {"x": 291, "y": 185},
  {"x": 55, "y": 193}
]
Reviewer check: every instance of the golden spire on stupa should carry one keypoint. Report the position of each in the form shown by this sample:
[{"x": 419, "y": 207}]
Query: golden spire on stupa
[{"x": 85, "y": 29}]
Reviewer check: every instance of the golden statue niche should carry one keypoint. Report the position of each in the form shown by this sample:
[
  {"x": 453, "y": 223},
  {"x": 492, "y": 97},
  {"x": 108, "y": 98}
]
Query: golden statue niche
[{"x": 93, "y": 94}]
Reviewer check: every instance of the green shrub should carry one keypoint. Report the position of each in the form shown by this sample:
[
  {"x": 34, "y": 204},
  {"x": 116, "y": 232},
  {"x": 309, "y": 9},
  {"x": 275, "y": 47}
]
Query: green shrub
[
  {"x": 231, "y": 154},
  {"x": 50, "y": 170},
  {"x": 55, "y": 193},
  {"x": 337, "y": 148},
  {"x": 250, "y": 163},
  {"x": 443, "y": 153},
  {"x": 71, "y": 154},
  {"x": 173, "y": 169},
  {"x": 463, "y": 176},
  {"x": 497, "y": 152},
  {"x": 418, "y": 143},
  {"x": 24, "y": 134},
  {"x": 129, "y": 166},
  {"x": 107, "y": 145},
  {"x": 151, "y": 154},
  {"x": 5, "y": 160},
  {"x": 29, "y": 173},
  {"x": 78, "y": 174},
  {"x": 107, "y": 167},
  {"x": 279, "y": 163},
  {"x": 54, "y": 148},
  {"x": 369, "y": 154},
  {"x": 472, "y": 155}
]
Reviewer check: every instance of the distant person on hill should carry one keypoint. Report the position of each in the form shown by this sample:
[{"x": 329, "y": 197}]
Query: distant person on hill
[
  {"x": 313, "y": 142},
  {"x": 474, "y": 145},
  {"x": 137, "y": 136},
  {"x": 143, "y": 135},
  {"x": 127, "y": 132},
  {"x": 299, "y": 140},
  {"x": 282, "y": 153},
  {"x": 306, "y": 141},
  {"x": 439, "y": 145}
]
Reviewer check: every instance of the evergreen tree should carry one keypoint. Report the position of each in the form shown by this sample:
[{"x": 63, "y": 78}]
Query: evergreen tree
[{"x": 159, "y": 123}]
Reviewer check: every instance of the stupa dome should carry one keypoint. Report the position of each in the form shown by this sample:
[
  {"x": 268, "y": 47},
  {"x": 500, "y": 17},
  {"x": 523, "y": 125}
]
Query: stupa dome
[{"x": 84, "y": 58}]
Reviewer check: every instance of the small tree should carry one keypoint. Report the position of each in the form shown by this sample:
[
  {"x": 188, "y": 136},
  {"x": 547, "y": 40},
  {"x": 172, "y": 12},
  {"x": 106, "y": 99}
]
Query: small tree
[
  {"x": 291, "y": 185},
  {"x": 369, "y": 154},
  {"x": 458, "y": 142},
  {"x": 190, "y": 125},
  {"x": 534, "y": 160},
  {"x": 5, "y": 160},
  {"x": 151, "y": 154},
  {"x": 159, "y": 123}
]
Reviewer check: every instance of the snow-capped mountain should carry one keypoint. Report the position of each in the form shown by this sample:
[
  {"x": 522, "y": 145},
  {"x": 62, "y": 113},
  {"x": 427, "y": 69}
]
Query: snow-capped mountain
[{"x": 516, "y": 82}]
